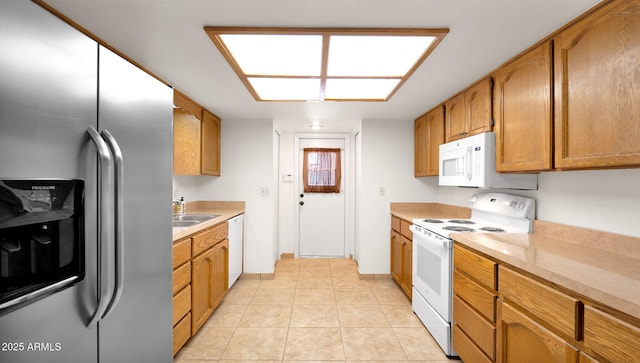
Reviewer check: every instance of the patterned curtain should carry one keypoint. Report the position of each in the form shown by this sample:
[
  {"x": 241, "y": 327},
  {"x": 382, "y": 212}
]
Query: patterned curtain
[{"x": 321, "y": 170}]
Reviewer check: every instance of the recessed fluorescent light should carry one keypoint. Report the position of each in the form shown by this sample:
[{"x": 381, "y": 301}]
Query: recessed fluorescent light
[{"x": 308, "y": 64}]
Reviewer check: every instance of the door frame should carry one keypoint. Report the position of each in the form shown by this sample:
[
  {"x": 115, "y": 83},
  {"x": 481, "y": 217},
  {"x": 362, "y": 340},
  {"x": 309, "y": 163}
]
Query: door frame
[{"x": 347, "y": 177}]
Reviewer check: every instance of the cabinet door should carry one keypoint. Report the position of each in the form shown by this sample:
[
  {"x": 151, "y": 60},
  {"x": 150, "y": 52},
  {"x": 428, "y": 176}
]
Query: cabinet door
[
  {"x": 456, "y": 118},
  {"x": 186, "y": 136},
  {"x": 435, "y": 138},
  {"x": 202, "y": 287},
  {"x": 210, "y": 144},
  {"x": 406, "y": 266},
  {"x": 523, "y": 340},
  {"x": 478, "y": 105},
  {"x": 428, "y": 136},
  {"x": 220, "y": 271},
  {"x": 523, "y": 112},
  {"x": 396, "y": 257},
  {"x": 597, "y": 77},
  {"x": 420, "y": 146}
]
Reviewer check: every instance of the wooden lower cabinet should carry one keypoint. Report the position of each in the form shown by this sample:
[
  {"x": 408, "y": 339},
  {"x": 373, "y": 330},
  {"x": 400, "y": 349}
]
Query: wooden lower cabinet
[
  {"x": 610, "y": 337},
  {"x": 401, "y": 254},
  {"x": 210, "y": 283},
  {"x": 523, "y": 340},
  {"x": 200, "y": 280}
]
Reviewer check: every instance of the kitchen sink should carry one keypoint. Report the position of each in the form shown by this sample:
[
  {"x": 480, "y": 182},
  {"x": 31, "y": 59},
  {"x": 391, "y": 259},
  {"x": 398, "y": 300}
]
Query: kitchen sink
[
  {"x": 188, "y": 220},
  {"x": 184, "y": 223},
  {"x": 194, "y": 217}
]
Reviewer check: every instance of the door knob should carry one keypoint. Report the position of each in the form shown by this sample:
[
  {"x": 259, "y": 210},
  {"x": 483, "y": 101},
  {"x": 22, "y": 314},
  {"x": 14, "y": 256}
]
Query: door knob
[
  {"x": 301, "y": 203},
  {"x": 301, "y": 195}
]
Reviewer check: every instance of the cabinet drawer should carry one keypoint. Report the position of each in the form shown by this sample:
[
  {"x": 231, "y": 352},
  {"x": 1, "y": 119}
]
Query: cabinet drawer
[
  {"x": 404, "y": 229},
  {"x": 181, "y": 252},
  {"x": 556, "y": 309},
  {"x": 481, "y": 299},
  {"x": 395, "y": 223},
  {"x": 481, "y": 269},
  {"x": 181, "y": 333},
  {"x": 478, "y": 329},
  {"x": 613, "y": 338},
  {"x": 465, "y": 348},
  {"x": 208, "y": 238},
  {"x": 181, "y": 304},
  {"x": 181, "y": 277}
]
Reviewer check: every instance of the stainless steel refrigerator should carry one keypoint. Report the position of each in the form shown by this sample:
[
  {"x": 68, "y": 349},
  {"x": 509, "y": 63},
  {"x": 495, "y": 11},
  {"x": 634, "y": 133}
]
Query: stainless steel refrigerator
[{"x": 71, "y": 109}]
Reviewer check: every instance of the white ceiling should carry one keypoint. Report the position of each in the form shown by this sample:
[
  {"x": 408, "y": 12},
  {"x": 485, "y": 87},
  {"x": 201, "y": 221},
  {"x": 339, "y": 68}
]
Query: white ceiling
[{"x": 167, "y": 37}]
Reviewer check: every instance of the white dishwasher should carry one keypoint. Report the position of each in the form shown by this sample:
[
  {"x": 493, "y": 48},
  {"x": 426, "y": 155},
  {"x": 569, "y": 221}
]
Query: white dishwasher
[{"x": 235, "y": 247}]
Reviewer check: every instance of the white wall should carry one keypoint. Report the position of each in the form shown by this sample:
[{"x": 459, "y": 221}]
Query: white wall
[
  {"x": 246, "y": 166},
  {"x": 386, "y": 161}
]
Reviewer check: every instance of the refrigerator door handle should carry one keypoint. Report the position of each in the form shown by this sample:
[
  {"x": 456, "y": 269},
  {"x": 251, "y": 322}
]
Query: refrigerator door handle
[
  {"x": 105, "y": 226},
  {"x": 119, "y": 220}
]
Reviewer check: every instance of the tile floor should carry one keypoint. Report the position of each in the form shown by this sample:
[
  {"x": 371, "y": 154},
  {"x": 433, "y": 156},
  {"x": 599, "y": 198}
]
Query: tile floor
[{"x": 313, "y": 310}]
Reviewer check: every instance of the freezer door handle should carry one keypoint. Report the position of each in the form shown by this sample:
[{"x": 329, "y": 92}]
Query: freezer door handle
[
  {"x": 105, "y": 226},
  {"x": 118, "y": 246}
]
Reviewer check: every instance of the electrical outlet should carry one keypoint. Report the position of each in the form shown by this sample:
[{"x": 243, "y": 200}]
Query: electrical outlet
[
  {"x": 381, "y": 191},
  {"x": 264, "y": 191}
]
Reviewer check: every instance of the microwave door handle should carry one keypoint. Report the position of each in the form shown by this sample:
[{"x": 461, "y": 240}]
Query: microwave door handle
[
  {"x": 468, "y": 165},
  {"x": 105, "y": 225},
  {"x": 118, "y": 246}
]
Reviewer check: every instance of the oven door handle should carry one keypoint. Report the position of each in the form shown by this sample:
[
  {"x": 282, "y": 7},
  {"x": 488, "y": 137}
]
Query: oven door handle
[{"x": 443, "y": 243}]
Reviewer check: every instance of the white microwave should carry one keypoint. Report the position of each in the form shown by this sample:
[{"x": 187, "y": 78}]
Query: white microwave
[{"x": 471, "y": 162}]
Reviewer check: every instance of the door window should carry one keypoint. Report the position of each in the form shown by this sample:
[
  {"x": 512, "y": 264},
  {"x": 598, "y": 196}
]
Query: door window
[{"x": 321, "y": 173}]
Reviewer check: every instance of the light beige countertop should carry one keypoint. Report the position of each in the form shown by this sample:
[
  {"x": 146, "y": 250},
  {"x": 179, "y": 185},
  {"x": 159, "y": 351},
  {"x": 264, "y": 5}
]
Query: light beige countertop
[
  {"x": 224, "y": 210},
  {"x": 600, "y": 266},
  {"x": 409, "y": 211}
]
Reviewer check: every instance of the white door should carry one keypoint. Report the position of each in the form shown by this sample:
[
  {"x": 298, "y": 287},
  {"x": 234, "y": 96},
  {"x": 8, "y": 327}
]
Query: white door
[{"x": 321, "y": 218}]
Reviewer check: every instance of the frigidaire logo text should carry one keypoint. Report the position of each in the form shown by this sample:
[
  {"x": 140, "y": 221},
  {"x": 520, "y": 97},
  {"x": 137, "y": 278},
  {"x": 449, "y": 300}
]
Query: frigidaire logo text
[{"x": 43, "y": 187}]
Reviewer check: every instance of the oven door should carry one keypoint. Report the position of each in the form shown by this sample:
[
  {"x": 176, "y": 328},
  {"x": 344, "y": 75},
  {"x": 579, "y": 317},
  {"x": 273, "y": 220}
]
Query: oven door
[{"x": 432, "y": 264}]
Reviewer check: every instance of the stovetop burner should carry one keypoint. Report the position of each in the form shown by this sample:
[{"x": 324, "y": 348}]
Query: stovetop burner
[
  {"x": 462, "y": 221},
  {"x": 458, "y": 229},
  {"x": 428, "y": 220},
  {"x": 492, "y": 229}
]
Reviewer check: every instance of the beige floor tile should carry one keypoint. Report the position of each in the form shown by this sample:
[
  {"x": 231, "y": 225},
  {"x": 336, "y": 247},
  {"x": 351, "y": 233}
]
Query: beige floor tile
[
  {"x": 401, "y": 316},
  {"x": 362, "y": 316},
  {"x": 315, "y": 281},
  {"x": 355, "y": 296},
  {"x": 391, "y": 296},
  {"x": 314, "y": 344},
  {"x": 349, "y": 282},
  {"x": 246, "y": 284},
  {"x": 280, "y": 282},
  {"x": 273, "y": 296},
  {"x": 314, "y": 296},
  {"x": 226, "y": 316},
  {"x": 315, "y": 270},
  {"x": 207, "y": 344},
  {"x": 418, "y": 344},
  {"x": 239, "y": 296},
  {"x": 382, "y": 283},
  {"x": 256, "y": 344},
  {"x": 314, "y": 316},
  {"x": 371, "y": 344},
  {"x": 266, "y": 316}
]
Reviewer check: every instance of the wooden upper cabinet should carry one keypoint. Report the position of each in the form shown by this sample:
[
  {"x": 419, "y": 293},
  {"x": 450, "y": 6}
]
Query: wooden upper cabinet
[
  {"x": 428, "y": 136},
  {"x": 597, "y": 78},
  {"x": 186, "y": 135},
  {"x": 210, "y": 144},
  {"x": 523, "y": 112},
  {"x": 469, "y": 112},
  {"x": 196, "y": 138}
]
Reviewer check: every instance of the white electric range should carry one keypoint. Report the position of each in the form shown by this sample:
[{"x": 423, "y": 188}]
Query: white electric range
[{"x": 433, "y": 255}]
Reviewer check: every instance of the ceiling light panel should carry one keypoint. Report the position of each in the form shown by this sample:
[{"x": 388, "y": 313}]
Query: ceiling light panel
[
  {"x": 276, "y": 54},
  {"x": 375, "y": 56},
  {"x": 316, "y": 64},
  {"x": 359, "y": 88}
]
